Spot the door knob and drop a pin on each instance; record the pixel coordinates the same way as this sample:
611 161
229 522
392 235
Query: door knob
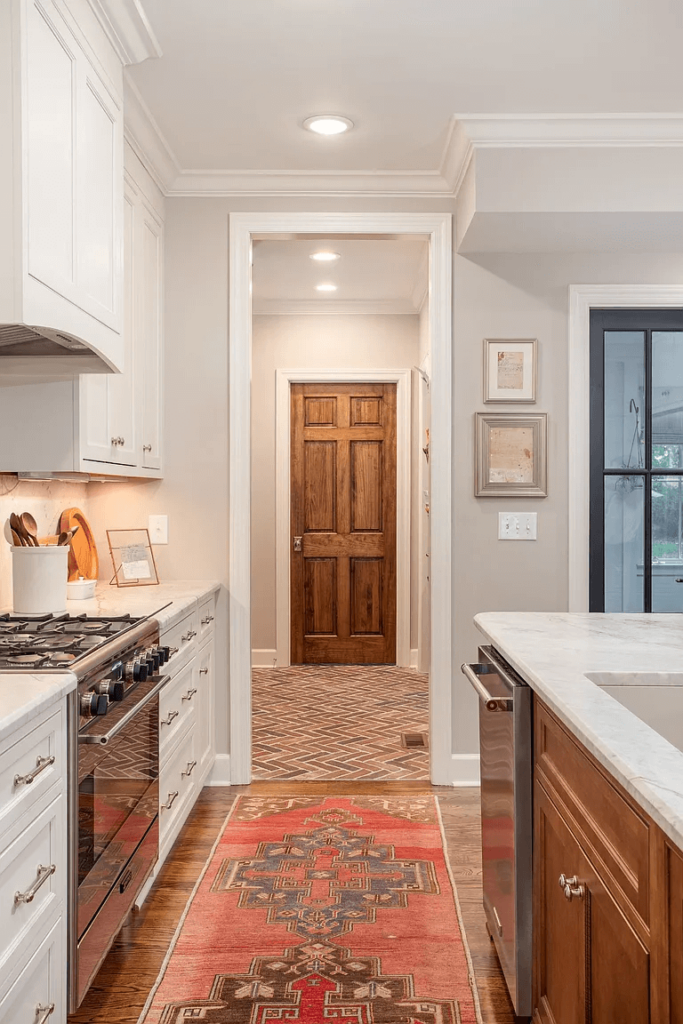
571 887
298 543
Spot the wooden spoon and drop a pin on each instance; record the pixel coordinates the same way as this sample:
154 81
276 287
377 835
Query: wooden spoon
31 527
7 530
17 525
64 538
16 539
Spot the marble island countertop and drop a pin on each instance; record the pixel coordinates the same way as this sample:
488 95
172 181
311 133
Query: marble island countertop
24 694
555 653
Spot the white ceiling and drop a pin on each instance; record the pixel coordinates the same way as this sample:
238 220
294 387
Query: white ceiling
237 77
373 276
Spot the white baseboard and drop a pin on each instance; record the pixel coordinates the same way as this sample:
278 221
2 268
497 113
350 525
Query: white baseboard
414 653
220 773
263 658
465 770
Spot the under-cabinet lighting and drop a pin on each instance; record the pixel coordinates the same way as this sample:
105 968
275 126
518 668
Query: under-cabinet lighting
325 256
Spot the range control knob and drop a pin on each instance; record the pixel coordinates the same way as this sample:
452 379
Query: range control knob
163 654
154 655
93 704
114 689
143 668
117 670
136 671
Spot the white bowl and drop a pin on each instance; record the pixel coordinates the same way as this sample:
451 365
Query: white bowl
80 589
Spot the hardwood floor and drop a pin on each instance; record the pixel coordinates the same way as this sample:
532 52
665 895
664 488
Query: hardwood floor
129 972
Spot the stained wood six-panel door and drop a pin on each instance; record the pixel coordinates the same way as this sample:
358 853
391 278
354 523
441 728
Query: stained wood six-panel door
343 518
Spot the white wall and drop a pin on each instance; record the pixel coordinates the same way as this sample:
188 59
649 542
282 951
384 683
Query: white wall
304 342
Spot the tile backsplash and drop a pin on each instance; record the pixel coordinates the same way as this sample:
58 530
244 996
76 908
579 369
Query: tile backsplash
45 500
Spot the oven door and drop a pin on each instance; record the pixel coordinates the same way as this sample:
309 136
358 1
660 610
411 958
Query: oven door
118 810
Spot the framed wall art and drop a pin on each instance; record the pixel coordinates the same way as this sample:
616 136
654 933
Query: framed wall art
511 455
510 369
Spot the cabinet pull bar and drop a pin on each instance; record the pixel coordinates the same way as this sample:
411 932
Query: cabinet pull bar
191 765
190 694
45 1012
492 703
41 764
171 716
203 671
43 875
169 803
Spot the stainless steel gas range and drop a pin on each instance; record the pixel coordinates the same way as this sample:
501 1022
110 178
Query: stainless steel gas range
113 764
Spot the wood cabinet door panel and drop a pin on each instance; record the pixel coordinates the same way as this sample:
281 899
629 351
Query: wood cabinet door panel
675 937
343 509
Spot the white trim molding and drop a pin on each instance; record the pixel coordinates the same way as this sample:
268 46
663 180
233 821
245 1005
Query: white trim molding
128 29
437 229
220 772
583 298
264 657
350 307
465 770
283 381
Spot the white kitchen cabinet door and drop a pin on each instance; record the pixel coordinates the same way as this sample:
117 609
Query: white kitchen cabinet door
205 683
149 352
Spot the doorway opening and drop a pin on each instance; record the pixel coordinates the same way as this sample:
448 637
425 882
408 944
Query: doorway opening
245 230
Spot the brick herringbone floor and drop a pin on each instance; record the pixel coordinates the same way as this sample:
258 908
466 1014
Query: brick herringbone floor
338 722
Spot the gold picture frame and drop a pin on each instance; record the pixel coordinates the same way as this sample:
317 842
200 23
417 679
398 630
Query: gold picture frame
132 558
511 455
510 369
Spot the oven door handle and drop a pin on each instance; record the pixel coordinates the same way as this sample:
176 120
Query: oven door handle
116 729
492 703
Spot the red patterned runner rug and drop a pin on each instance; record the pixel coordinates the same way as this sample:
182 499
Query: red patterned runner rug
317 909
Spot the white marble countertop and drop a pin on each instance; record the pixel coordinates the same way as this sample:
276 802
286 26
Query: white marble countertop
554 651
24 694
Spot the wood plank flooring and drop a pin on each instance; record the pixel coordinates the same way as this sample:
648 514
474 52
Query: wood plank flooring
129 972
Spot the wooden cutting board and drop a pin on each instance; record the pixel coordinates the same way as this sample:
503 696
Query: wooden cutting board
83 559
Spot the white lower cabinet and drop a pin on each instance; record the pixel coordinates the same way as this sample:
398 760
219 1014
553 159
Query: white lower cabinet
205 685
38 995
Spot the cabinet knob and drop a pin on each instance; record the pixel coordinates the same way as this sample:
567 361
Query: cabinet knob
45 1011
571 887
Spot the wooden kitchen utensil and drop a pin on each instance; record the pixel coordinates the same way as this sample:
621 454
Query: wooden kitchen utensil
16 539
18 527
31 527
83 559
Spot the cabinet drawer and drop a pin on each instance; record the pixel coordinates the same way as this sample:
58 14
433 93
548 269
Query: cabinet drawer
25 769
40 985
176 784
177 703
25 868
207 618
616 835
181 635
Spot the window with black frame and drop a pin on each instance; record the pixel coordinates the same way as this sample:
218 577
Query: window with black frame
636 514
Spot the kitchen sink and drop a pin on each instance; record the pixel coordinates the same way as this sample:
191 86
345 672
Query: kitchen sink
656 698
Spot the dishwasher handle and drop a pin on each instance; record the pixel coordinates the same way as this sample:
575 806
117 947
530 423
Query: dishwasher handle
492 703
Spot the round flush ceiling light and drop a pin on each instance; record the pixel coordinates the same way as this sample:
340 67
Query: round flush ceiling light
325 256
326 287
328 124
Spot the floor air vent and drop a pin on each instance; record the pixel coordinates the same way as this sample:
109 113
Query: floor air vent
415 740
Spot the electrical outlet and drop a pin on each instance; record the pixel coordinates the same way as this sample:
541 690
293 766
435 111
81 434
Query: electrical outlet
517 525
158 529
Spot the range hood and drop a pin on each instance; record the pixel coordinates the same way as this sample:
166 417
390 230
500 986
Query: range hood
35 353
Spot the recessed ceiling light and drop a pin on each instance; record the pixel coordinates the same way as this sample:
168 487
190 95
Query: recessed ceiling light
326 287
328 124
325 257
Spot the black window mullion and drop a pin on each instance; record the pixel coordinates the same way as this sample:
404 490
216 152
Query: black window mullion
596 577
647 417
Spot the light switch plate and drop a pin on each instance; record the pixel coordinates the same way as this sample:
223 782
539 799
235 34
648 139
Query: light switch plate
517 525
158 529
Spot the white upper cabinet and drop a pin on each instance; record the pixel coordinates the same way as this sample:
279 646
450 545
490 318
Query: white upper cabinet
61 176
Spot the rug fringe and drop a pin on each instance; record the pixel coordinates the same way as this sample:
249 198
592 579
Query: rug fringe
468 956
183 916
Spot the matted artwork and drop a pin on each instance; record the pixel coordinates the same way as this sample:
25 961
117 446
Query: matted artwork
511 455
510 369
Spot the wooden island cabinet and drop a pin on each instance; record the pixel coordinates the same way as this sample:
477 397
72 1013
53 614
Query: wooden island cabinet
608 894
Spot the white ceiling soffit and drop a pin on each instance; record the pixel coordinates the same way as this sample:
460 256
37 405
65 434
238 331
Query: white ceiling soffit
128 29
373 276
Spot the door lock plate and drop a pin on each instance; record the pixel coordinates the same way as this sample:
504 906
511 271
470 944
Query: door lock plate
298 543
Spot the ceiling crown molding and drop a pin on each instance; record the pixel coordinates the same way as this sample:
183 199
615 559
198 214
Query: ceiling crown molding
356 307
146 139
128 29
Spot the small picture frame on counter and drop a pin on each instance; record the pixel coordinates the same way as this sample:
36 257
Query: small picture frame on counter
511 455
510 369
132 558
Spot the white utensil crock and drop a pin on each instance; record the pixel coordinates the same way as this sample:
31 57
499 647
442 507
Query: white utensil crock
39 579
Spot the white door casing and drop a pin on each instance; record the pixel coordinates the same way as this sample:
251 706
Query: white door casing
583 298
284 378
437 228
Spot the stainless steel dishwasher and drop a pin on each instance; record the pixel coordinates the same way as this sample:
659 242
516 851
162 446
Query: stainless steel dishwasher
506 817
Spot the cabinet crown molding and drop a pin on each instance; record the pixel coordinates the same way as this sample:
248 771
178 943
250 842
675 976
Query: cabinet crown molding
127 28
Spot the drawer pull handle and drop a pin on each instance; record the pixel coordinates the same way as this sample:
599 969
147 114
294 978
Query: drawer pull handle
171 798
41 764
43 875
126 879
203 671
190 694
169 719
188 636
207 620
191 765
571 887
44 1012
